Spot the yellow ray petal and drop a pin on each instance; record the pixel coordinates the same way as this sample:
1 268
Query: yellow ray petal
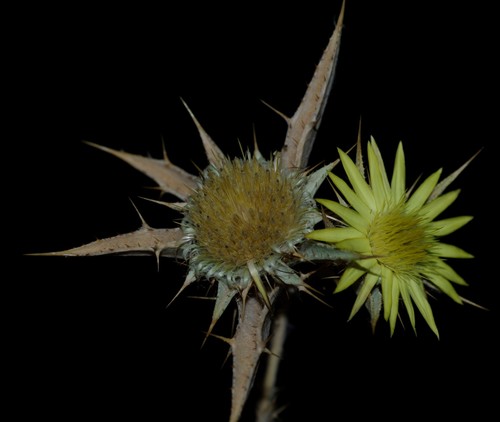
419 296
432 209
350 216
357 181
445 250
394 305
398 182
366 287
334 234
447 272
405 294
351 196
444 285
387 280
378 176
353 273
448 225
359 244
423 191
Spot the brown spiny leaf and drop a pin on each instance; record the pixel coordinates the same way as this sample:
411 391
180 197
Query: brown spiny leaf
304 124
214 154
144 241
169 177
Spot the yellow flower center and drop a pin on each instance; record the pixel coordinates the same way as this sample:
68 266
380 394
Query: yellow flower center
243 212
399 240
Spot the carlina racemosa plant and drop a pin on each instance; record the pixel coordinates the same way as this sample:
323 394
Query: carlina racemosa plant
247 223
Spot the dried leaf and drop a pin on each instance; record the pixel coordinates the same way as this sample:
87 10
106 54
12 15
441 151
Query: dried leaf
304 124
144 241
170 178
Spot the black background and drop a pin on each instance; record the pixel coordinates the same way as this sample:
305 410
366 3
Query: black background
93 337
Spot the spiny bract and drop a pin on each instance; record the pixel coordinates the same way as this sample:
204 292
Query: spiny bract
246 218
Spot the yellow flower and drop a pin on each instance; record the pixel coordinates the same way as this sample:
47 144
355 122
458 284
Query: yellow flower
396 232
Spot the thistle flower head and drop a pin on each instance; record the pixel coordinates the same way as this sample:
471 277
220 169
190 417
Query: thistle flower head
396 231
245 218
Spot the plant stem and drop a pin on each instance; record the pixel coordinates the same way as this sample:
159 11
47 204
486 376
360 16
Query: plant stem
266 411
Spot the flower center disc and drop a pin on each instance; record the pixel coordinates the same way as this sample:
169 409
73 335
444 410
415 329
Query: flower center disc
244 211
399 240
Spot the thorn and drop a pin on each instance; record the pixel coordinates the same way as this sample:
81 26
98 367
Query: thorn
227 340
143 221
157 253
279 113
93 144
214 154
271 353
469 302
200 297
258 282
441 186
208 333
244 295
226 358
190 278
224 339
164 150
254 132
309 290
177 206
